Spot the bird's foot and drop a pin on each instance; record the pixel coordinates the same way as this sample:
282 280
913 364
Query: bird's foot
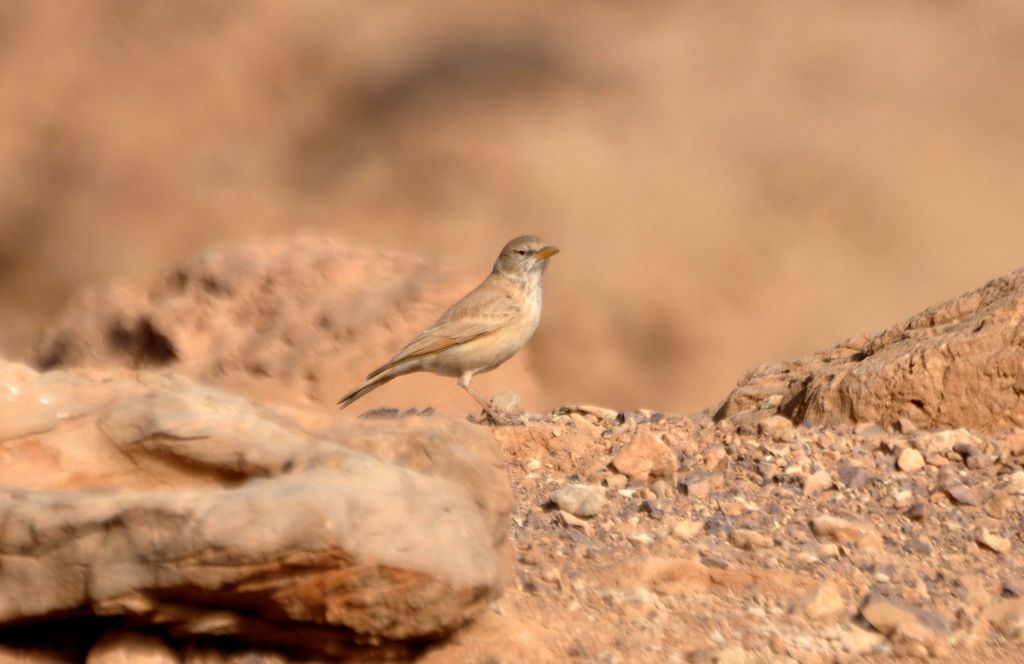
498 418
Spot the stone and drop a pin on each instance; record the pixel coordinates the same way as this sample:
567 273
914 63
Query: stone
1016 483
118 647
957 364
993 542
943 442
817 482
859 641
646 456
700 484
732 655
918 546
917 511
828 550
1013 587
750 539
971 591
963 494
507 403
1007 617
854 477
911 631
910 460
823 602
687 529
777 428
999 505
972 456
840 531
390 530
654 508
579 499
616 481
905 426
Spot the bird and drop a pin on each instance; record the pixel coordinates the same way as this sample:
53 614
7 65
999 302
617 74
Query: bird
479 332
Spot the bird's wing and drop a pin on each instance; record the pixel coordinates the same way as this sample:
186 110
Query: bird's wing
484 310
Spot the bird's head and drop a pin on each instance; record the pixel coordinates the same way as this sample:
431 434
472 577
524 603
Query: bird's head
523 256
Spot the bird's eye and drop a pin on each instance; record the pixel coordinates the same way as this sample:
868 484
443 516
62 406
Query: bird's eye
521 252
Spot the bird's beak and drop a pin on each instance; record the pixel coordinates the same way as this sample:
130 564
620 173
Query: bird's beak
546 253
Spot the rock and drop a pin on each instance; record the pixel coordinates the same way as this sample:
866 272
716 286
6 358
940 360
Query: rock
854 477
700 484
972 456
700 656
687 529
917 511
732 655
817 482
905 426
508 403
999 505
579 499
600 412
828 550
858 641
317 541
616 481
1007 617
911 631
655 508
963 494
300 319
576 522
942 442
910 460
130 648
840 531
919 546
971 591
956 364
750 539
823 602
1016 483
993 542
777 428
1013 587
646 456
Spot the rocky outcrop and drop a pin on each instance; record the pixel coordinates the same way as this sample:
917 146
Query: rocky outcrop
301 320
170 503
959 364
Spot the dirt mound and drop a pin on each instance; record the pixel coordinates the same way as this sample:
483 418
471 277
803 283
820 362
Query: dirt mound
300 320
960 363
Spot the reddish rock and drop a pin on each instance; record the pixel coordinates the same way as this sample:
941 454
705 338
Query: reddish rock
958 364
150 496
646 456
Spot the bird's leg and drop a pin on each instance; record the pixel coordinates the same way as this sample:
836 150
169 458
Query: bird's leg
496 417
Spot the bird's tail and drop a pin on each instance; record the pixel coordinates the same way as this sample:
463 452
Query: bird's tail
369 386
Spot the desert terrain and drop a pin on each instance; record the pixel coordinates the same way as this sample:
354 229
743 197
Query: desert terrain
774 411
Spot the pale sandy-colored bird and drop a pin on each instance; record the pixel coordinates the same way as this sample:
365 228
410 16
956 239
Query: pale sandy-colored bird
480 331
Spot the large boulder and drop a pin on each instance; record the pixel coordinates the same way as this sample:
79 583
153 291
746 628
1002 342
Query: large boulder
301 320
149 496
958 364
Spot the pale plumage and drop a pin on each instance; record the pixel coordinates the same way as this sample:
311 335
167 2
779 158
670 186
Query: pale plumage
482 330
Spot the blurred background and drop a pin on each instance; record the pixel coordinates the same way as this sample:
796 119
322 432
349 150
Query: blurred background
731 183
